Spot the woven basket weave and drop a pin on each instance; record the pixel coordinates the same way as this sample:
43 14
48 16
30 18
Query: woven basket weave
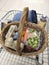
24 23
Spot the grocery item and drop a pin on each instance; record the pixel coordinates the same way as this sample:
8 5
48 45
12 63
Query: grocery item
27 48
41 24
32 39
24 35
10 43
33 42
10 31
15 36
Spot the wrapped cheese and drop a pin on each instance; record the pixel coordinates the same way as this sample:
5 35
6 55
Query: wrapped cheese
10 43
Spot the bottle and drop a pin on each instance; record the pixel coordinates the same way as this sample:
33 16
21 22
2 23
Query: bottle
24 35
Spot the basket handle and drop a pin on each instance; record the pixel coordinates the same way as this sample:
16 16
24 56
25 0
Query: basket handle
21 26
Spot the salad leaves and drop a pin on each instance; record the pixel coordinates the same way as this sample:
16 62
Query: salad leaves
33 41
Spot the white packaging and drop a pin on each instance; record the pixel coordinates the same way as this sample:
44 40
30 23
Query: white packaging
10 43
10 31
22 46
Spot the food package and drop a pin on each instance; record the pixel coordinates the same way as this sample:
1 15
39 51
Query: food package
41 24
10 31
22 46
15 36
33 42
33 38
10 43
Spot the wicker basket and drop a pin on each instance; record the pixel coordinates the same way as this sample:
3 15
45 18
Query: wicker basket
23 23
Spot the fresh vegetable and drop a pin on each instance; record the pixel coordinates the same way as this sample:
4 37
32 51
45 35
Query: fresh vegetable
33 41
31 30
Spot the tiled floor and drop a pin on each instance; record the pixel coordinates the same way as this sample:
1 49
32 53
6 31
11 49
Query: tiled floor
9 59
